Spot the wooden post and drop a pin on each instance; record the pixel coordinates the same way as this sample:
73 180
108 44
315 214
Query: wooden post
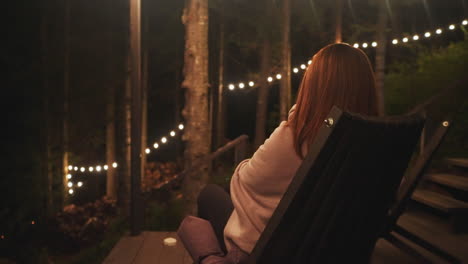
285 84
240 152
136 214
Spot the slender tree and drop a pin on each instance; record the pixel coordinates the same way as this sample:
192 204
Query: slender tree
197 133
382 22
66 91
285 84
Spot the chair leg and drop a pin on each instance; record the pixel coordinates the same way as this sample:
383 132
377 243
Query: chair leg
425 244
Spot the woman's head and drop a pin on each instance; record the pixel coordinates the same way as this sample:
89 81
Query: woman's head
339 75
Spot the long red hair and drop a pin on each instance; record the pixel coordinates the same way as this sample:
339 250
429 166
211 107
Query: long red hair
339 75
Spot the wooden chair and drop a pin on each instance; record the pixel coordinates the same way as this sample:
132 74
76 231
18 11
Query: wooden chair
413 177
337 204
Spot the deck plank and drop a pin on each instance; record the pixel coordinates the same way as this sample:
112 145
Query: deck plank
174 254
126 250
152 248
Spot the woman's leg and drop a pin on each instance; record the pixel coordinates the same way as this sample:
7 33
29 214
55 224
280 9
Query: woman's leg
215 205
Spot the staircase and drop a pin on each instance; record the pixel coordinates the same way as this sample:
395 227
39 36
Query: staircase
447 193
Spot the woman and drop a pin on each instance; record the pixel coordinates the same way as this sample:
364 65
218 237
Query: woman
339 75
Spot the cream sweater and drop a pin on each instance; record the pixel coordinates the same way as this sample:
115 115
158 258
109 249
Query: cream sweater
257 186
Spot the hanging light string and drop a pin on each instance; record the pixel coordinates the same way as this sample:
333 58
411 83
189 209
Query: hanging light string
99 168
363 45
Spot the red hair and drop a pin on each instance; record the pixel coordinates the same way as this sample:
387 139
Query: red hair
339 75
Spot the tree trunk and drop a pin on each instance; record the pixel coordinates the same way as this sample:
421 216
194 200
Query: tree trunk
380 56
197 133
144 95
45 129
66 91
338 21
111 183
220 115
285 84
262 95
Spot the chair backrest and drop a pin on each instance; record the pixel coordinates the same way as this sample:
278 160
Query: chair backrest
337 203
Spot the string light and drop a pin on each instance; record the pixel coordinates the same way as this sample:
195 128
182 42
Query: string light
251 83
278 76
415 37
231 86
75 168
295 70
356 45
427 34
374 44
82 169
452 27
33 222
147 151
156 145
79 184
309 62
465 22
395 41
241 85
70 191
439 31
2 237
405 40
98 168
70 167
69 176
70 184
114 165
270 79
106 167
163 140
364 45
91 169
303 66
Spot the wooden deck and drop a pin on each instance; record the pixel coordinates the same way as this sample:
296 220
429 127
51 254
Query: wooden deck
149 246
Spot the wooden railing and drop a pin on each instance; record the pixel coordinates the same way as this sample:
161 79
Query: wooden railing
240 151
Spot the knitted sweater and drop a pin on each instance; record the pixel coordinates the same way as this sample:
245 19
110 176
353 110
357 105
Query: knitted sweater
257 186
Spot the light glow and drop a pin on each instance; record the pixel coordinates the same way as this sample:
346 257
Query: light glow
231 86
156 145
70 184
82 169
309 62
147 151
241 85
427 34
295 70
69 176
395 41
405 40
106 167
98 168
164 140
374 44
91 169
114 165
75 168
79 184
70 167
356 45
172 133
251 84
452 27
303 66
278 76
439 31
364 45
415 37
181 126
465 22
270 79
70 191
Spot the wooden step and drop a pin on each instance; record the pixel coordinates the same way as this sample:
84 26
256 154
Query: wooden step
450 180
439 201
459 162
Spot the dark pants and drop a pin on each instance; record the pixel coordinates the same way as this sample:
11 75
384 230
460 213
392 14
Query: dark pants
215 205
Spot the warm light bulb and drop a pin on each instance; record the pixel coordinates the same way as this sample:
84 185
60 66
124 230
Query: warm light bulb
364 45
303 66
439 31
270 79
70 184
79 184
75 168
98 168
172 133
251 84
156 145
147 151
356 45
427 34
69 176
163 139
181 126
82 169
295 70
241 85
374 44
90 169
231 87
278 76
70 167
33 222
405 40
452 27
415 37
465 22
114 165
309 62
70 191
106 167
395 41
